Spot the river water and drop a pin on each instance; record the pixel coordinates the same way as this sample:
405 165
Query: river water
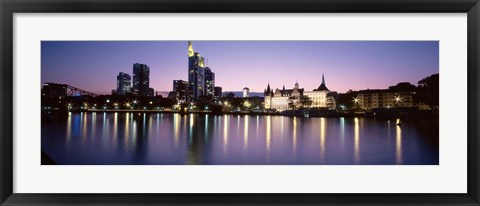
100 138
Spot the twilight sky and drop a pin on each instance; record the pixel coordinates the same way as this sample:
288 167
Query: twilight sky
356 65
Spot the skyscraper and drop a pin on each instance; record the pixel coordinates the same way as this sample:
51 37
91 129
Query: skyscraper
201 79
180 88
209 82
124 83
218 92
141 80
195 73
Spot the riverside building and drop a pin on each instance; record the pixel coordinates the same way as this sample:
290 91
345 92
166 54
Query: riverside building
285 99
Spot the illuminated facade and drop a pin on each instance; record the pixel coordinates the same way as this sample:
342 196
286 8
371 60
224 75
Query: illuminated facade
400 95
180 89
285 99
280 99
319 96
246 92
209 82
124 83
201 80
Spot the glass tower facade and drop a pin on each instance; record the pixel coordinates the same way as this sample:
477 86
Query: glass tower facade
124 83
201 80
141 80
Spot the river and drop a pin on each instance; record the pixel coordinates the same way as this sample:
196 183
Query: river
98 138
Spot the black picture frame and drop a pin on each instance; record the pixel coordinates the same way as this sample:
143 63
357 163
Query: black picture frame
10 7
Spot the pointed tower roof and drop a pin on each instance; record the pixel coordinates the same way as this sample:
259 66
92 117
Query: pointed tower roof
191 52
268 87
322 86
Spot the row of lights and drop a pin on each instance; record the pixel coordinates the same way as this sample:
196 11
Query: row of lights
127 104
397 99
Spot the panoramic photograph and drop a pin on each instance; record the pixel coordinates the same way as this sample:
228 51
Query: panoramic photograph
239 102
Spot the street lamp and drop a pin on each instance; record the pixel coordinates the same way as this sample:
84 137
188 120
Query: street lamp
247 104
355 99
397 99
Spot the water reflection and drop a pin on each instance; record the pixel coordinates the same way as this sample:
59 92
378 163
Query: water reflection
115 130
322 140
398 143
245 134
294 153
142 138
225 135
356 150
176 129
268 136
68 134
342 133
84 122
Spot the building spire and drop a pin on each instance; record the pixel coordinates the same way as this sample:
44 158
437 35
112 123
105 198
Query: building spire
323 79
190 49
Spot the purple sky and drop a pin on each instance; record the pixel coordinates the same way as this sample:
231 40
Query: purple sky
94 65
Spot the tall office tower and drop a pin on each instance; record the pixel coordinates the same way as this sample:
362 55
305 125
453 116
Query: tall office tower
141 80
124 83
180 89
209 82
196 74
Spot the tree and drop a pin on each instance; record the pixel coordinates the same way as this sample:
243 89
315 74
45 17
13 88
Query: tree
346 100
305 102
428 91
292 102
230 95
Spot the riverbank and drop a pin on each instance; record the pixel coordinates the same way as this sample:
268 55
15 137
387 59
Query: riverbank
294 113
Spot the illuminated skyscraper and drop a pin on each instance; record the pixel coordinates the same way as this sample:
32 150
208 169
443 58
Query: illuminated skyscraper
201 79
124 83
209 82
180 90
141 80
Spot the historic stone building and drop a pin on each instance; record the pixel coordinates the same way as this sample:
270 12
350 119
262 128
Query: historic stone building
319 95
285 99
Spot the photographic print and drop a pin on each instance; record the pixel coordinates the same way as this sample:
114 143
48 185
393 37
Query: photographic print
240 102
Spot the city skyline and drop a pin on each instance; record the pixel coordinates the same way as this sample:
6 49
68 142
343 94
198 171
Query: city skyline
356 65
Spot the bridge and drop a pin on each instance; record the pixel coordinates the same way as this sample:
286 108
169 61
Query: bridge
61 90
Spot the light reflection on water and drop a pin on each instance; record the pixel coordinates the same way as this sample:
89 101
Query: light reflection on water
172 139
